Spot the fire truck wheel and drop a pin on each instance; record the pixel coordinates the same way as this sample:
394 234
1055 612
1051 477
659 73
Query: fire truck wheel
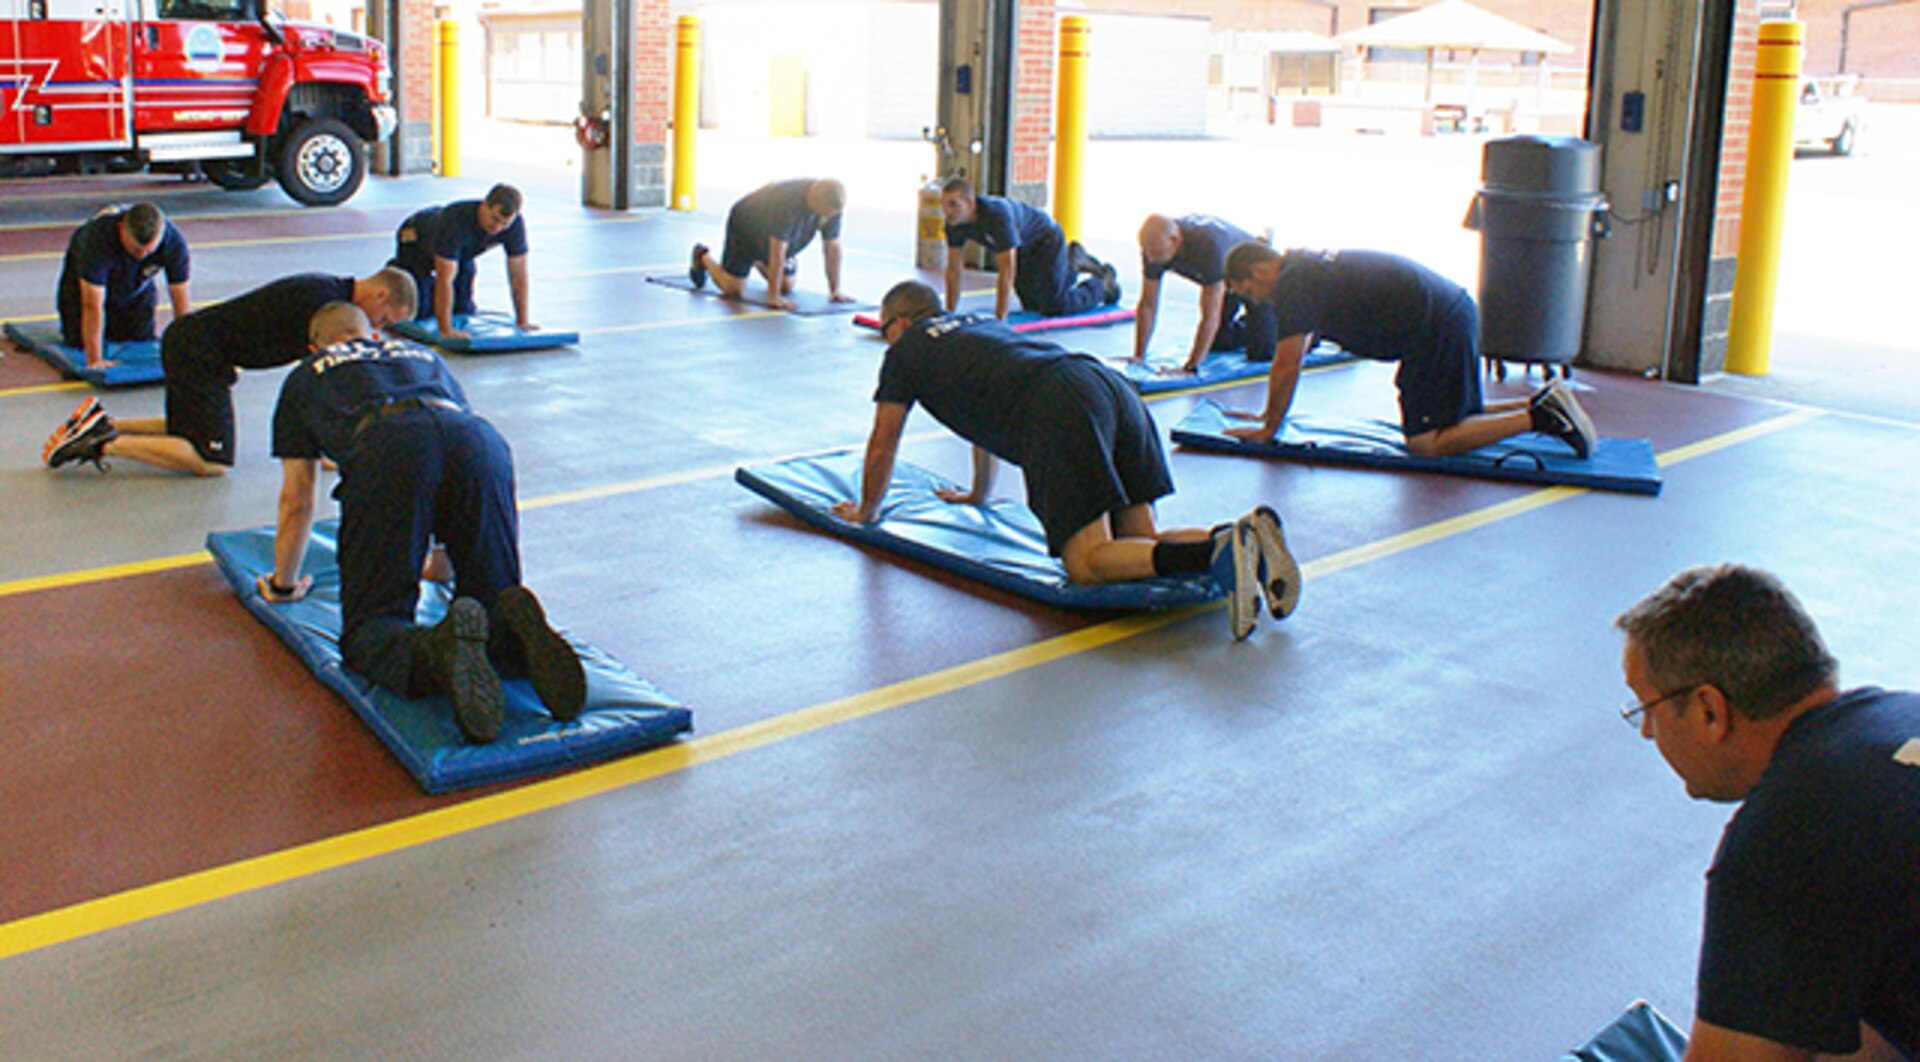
322 162
234 176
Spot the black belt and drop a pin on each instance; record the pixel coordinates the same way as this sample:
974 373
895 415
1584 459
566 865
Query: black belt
402 405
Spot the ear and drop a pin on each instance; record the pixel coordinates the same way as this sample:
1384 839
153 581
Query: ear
1716 712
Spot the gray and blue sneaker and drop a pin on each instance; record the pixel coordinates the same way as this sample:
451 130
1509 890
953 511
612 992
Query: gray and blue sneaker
1279 572
1557 413
1236 568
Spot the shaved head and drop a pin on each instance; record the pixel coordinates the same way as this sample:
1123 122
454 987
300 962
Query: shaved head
1159 238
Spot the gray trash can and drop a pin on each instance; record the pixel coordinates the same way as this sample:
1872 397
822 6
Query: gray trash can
1538 208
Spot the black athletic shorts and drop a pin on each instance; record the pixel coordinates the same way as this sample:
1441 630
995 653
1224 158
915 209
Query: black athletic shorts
1095 451
199 391
1440 385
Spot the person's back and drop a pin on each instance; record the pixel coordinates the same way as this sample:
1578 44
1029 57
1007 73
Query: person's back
976 375
325 401
1000 223
780 211
263 328
1813 916
1373 304
1202 256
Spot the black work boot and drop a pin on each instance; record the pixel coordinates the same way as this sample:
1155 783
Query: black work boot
525 644
452 660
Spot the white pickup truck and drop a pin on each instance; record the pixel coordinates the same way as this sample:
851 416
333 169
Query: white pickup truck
1830 114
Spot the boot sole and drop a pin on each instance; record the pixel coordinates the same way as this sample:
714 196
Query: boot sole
479 706
553 667
1282 584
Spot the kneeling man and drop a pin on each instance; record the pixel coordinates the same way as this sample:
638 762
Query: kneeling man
1087 445
416 465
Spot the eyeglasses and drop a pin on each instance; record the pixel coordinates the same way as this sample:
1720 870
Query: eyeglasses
1634 710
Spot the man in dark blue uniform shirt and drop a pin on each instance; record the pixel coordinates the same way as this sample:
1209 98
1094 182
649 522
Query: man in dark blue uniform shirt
1388 308
1812 935
1195 247
106 279
1083 439
201 353
1031 256
767 230
416 465
438 245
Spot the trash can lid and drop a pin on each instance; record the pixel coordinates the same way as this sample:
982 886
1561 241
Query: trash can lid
1532 164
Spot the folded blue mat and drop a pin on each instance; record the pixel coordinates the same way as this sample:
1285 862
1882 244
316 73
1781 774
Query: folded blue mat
488 333
1625 465
1153 377
1641 1034
806 303
1001 545
137 363
624 712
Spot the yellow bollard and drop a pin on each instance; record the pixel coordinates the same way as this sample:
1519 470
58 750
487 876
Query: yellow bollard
448 105
686 108
1070 123
1763 201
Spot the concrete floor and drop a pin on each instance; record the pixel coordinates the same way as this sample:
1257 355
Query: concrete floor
919 819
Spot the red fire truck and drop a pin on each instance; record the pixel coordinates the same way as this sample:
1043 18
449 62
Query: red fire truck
223 85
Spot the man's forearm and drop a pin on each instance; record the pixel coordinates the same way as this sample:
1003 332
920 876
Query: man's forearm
831 252
517 284
93 329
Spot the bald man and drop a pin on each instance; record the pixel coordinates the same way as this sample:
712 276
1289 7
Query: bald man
767 230
1195 247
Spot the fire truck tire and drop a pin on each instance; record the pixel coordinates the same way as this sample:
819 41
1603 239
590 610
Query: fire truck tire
322 162
234 176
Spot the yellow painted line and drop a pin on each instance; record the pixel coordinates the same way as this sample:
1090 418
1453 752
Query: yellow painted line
1737 436
42 389
103 574
167 897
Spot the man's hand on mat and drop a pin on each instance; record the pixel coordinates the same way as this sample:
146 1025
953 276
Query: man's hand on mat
526 326
298 590
95 364
957 496
1180 370
781 302
841 296
456 333
1252 433
850 512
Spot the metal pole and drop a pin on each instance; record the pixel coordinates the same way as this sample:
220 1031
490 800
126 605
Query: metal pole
686 108
1763 202
447 146
1070 124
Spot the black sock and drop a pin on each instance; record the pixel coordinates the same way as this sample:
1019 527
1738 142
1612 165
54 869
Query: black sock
1182 558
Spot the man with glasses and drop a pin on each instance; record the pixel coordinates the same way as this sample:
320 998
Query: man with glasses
1087 445
1812 936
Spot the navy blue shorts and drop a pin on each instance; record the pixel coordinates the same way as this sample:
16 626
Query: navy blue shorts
199 390
744 251
1440 383
1096 452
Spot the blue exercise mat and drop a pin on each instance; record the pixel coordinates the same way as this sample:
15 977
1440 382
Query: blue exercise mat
137 363
806 303
1028 321
1001 545
488 333
1641 1034
1625 465
624 712
1223 366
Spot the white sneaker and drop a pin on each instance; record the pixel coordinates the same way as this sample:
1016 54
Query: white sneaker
1279 572
1236 568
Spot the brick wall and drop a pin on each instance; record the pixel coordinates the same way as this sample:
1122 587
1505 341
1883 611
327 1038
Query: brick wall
652 101
1033 102
1738 118
413 56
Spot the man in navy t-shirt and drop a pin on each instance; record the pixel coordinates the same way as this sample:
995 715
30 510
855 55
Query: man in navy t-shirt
416 465
1031 256
201 354
438 245
1195 247
1388 308
1812 935
1085 442
767 230
106 279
